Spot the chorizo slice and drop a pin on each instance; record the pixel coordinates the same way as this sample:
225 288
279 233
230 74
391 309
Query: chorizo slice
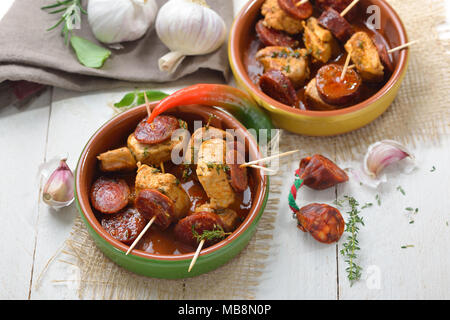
124 226
300 12
339 6
238 175
319 172
339 27
279 87
323 222
198 222
272 37
313 100
151 203
381 45
334 90
158 131
109 195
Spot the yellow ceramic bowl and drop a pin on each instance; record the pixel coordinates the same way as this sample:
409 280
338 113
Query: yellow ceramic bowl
320 123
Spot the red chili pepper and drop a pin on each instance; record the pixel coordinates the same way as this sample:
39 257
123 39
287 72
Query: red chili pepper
233 100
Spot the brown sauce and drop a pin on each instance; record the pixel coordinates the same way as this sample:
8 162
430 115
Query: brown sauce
255 68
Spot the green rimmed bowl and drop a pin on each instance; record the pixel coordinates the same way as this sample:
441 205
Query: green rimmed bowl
112 135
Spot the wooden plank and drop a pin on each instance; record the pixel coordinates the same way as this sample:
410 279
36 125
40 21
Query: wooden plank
419 272
299 267
23 133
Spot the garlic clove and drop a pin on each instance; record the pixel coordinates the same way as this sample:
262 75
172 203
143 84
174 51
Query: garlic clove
382 154
58 191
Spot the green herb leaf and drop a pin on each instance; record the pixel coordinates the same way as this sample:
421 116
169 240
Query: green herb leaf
134 99
88 53
399 188
216 234
377 197
126 101
151 96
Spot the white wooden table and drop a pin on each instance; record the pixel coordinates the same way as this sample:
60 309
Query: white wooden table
61 122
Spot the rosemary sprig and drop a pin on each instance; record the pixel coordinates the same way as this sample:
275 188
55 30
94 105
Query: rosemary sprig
210 235
351 247
71 16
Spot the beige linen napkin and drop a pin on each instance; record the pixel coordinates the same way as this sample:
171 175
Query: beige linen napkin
29 52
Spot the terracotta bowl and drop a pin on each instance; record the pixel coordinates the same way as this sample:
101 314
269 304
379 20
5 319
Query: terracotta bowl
320 123
112 135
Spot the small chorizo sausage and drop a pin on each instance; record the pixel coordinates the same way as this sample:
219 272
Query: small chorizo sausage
109 195
151 203
339 27
124 226
279 87
334 90
238 175
319 172
161 129
199 222
323 222
300 12
272 37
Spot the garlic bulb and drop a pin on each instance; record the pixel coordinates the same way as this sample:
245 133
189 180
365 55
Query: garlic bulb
188 27
120 20
58 190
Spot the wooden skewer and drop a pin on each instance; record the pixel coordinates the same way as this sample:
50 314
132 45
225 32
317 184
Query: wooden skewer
298 4
350 6
147 104
149 224
194 259
344 71
402 46
262 168
268 158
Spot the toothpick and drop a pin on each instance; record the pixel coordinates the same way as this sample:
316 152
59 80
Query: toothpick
351 67
298 4
350 6
403 46
262 168
162 167
199 248
269 158
344 71
147 104
141 234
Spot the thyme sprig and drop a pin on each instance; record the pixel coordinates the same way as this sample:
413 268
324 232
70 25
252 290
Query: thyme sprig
210 235
71 16
351 246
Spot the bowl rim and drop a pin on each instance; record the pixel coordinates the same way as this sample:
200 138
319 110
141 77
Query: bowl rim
278 107
84 206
